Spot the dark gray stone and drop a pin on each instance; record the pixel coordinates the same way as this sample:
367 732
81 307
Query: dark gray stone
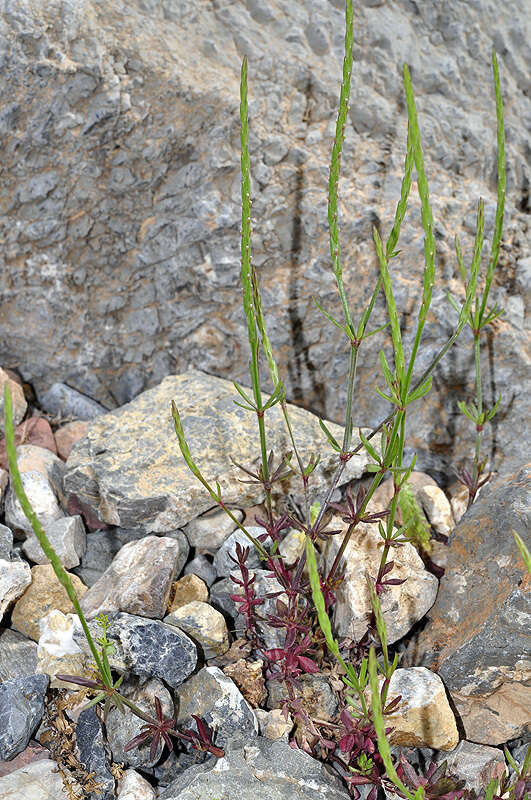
89 740
213 696
6 542
21 710
64 401
18 655
147 647
203 568
258 770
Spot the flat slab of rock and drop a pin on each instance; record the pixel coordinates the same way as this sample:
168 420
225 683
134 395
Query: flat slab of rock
151 487
479 636
39 780
137 582
21 710
258 770
402 605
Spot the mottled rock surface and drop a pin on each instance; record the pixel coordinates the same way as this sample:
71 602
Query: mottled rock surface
258 770
35 431
39 780
147 647
223 560
137 582
42 473
474 763
18 655
62 401
91 749
151 487
132 786
186 589
18 401
44 594
479 634
204 624
210 530
67 537
67 435
21 710
15 576
57 650
402 605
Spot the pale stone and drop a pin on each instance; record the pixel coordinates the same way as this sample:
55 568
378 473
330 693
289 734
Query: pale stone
292 546
209 531
402 605
138 580
44 594
18 401
67 435
459 502
423 717
204 624
438 509
39 780
273 725
67 537
41 474
15 576
186 589
477 764
57 650
132 786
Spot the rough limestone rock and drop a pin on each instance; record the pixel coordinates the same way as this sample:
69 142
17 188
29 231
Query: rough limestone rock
18 655
474 763
204 624
147 647
21 710
132 786
42 473
67 537
402 605
120 215
58 652
137 582
210 530
39 780
186 589
479 634
67 435
91 749
258 770
63 401
15 576
423 717
151 487
44 594
34 430
18 401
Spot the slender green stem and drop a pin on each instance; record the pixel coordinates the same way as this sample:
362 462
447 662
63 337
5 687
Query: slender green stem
479 401
347 435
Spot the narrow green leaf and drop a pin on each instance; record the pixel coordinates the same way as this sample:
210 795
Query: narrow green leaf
524 552
391 308
369 447
416 394
334 321
331 439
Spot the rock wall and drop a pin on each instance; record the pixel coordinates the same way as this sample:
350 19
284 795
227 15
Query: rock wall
119 208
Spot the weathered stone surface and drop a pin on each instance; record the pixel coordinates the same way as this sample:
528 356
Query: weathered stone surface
57 650
102 547
91 750
137 582
475 764
151 487
186 589
63 401
44 594
67 435
423 717
478 638
41 472
258 770
222 560
132 786
67 537
4 481
39 780
437 509
6 542
220 597
147 647
210 530
213 696
203 624
203 568
35 431
273 724
318 699
402 605
18 655
18 401
126 194
263 584
21 710
15 576
121 728
248 677
33 752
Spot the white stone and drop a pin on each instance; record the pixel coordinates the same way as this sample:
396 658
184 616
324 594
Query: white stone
39 780
15 577
67 537
402 605
134 787
209 531
57 650
292 546
437 508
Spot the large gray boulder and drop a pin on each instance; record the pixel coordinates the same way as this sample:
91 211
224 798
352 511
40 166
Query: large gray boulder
120 216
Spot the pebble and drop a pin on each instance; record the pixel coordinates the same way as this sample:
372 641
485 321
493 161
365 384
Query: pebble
437 508
58 652
39 780
63 401
186 589
205 625
132 786
476 764
68 435
18 655
35 431
91 750
202 567
6 541
67 537
15 577
222 560
18 401
41 473
210 530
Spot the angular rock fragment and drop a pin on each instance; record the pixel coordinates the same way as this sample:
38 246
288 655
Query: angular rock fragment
137 582
67 537
67 435
41 472
474 763
222 560
58 652
18 655
186 589
6 542
35 431
39 780
203 624
63 401
18 401
132 786
202 567
21 710
15 577
91 750
210 530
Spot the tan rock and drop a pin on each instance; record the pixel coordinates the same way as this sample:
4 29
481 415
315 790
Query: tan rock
18 401
273 724
423 717
437 507
44 594
204 624
137 582
132 786
186 589
4 480
402 605
248 677
67 435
